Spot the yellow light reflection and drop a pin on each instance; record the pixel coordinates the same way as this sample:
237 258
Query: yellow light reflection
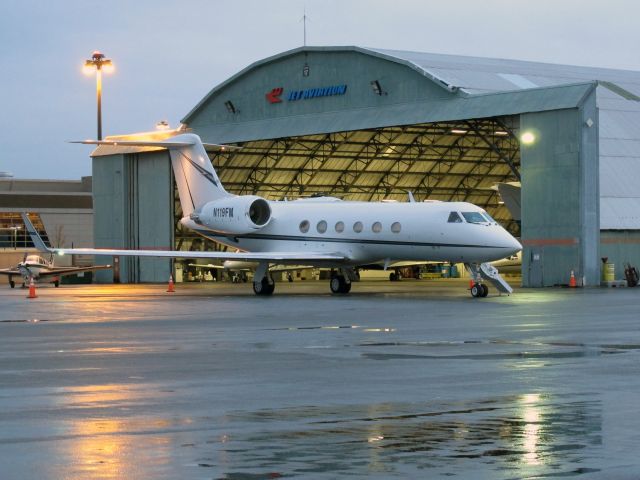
105 445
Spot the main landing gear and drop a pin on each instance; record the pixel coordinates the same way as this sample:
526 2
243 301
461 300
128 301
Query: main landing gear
263 283
264 287
340 281
339 284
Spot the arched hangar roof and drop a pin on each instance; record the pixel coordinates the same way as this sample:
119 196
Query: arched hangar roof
426 88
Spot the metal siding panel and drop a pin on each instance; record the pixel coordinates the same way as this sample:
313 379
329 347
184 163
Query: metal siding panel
551 195
154 214
109 202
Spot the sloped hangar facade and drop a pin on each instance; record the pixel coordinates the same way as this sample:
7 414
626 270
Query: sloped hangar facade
371 125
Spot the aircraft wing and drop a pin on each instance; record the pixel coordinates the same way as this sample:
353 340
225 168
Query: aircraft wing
206 265
288 268
9 271
279 257
58 271
286 257
274 268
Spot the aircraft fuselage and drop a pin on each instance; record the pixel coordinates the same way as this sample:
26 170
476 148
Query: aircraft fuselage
371 232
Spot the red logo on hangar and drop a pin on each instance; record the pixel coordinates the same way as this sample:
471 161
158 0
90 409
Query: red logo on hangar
274 95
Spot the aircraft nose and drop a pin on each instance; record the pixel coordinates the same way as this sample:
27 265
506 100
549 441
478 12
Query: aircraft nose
514 244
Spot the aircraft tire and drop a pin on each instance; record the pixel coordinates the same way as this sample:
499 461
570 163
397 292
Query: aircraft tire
263 287
393 277
476 290
485 290
339 285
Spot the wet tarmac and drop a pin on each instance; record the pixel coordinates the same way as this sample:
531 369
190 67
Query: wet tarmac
407 380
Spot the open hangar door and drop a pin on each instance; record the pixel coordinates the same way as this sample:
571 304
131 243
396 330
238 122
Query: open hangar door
447 161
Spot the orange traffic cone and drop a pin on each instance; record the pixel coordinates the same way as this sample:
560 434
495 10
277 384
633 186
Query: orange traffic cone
32 289
471 283
171 288
572 280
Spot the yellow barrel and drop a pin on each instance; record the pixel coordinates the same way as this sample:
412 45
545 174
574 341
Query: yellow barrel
609 272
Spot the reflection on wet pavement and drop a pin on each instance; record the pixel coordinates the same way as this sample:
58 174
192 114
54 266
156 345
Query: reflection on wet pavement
538 385
515 437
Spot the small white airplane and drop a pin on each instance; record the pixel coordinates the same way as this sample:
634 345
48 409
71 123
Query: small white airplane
322 232
36 267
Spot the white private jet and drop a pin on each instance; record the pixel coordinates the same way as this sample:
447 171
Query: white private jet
36 267
323 232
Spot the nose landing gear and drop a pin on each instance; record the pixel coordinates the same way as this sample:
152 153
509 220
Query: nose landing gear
479 290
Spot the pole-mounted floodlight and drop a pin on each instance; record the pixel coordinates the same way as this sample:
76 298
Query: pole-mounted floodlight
98 62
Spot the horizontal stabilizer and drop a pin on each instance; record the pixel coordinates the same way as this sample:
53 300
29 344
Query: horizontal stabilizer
212 147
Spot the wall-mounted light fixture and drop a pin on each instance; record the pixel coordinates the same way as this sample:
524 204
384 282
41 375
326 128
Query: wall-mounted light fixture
305 70
231 108
377 88
528 138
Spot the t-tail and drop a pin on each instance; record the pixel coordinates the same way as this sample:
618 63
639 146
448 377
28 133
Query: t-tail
196 178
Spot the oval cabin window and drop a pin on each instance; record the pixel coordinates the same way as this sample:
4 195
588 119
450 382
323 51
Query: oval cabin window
304 226
396 227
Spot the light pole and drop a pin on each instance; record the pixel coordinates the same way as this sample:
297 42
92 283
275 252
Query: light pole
98 62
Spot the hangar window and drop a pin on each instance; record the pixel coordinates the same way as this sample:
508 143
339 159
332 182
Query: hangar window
474 217
454 217
321 226
376 227
357 227
304 226
396 227
340 227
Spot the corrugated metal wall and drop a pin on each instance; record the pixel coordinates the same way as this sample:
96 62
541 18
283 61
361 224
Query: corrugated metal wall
560 198
133 202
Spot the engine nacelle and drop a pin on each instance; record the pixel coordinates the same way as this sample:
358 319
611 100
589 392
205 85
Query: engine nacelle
234 215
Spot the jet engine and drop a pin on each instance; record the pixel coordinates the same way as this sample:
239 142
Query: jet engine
234 215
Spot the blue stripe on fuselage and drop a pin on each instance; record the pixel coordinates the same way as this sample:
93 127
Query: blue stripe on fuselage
296 238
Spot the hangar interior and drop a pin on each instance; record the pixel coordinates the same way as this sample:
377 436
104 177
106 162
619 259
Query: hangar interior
370 125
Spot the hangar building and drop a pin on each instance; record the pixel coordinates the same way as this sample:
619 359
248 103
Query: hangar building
60 209
367 124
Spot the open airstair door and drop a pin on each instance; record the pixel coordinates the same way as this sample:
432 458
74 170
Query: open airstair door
491 274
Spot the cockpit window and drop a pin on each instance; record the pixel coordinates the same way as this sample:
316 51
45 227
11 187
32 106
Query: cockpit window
488 217
454 217
474 217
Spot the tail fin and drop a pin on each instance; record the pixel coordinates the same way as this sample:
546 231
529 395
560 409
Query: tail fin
35 236
195 177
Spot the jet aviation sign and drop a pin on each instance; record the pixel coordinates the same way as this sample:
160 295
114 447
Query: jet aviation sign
275 95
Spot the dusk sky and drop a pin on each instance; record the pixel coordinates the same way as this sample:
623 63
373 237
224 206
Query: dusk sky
168 55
